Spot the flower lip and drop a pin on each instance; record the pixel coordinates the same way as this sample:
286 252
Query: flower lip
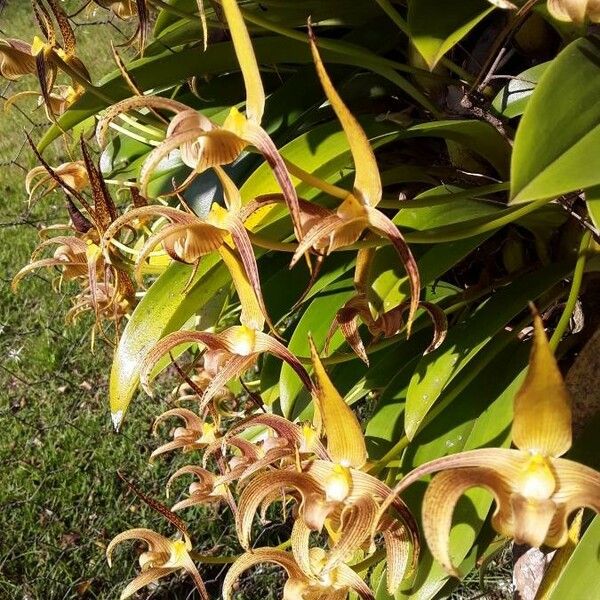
537 480
338 484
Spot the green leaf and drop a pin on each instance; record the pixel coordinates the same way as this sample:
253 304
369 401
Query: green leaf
466 339
166 306
173 67
512 99
556 146
436 27
580 579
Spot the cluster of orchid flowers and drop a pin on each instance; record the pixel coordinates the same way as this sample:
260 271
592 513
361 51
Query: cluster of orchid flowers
259 458
322 468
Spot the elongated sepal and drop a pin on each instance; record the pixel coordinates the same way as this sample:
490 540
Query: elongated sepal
255 94
367 182
542 408
345 439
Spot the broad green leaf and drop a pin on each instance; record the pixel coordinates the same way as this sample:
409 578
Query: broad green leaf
173 67
437 27
580 579
555 148
166 306
456 209
469 337
512 99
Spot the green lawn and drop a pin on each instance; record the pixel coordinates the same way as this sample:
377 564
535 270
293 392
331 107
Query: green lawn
60 497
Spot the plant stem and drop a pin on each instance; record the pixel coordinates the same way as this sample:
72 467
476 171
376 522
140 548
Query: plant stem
573 292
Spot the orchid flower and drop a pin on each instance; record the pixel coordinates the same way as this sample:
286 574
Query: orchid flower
55 102
209 489
385 325
357 212
237 348
334 493
108 290
121 8
576 11
194 435
16 59
163 557
187 238
39 183
50 54
283 441
534 489
335 584
204 144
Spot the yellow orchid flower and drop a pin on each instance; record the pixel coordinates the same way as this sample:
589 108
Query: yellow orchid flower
238 348
122 8
107 290
49 54
186 238
163 557
385 325
334 584
357 212
534 489
283 441
576 11
209 489
334 493
39 183
16 59
204 144
196 434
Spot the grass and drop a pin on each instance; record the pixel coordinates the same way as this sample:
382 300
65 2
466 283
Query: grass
60 496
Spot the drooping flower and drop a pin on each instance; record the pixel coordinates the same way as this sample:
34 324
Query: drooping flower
535 490
39 183
334 493
163 557
194 435
334 584
50 54
187 238
237 347
577 11
385 325
16 59
357 212
107 290
122 8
